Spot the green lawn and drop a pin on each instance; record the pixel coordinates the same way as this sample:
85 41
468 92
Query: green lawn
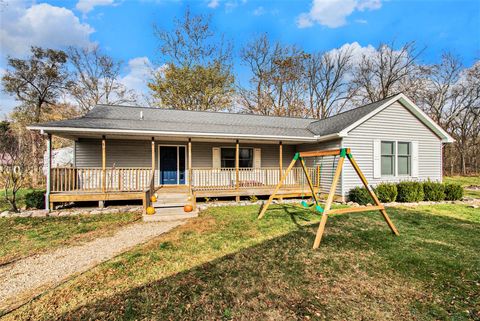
20 237
465 181
4 205
227 265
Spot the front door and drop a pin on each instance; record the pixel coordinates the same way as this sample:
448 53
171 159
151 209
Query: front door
172 165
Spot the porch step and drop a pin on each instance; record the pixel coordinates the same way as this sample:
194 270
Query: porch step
171 202
168 204
169 214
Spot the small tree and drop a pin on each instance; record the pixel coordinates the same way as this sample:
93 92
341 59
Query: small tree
38 81
196 71
16 163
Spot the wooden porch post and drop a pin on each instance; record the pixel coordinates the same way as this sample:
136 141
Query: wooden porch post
237 166
104 165
49 170
190 178
153 154
280 163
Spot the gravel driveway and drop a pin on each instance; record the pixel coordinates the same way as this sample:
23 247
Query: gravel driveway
26 278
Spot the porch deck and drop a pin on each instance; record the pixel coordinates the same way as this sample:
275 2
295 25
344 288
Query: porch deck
70 184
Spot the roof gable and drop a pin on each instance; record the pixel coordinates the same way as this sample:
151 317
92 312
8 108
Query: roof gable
335 124
408 104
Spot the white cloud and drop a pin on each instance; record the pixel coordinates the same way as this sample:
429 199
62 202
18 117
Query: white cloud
40 25
334 13
86 6
361 21
213 4
139 72
356 50
260 11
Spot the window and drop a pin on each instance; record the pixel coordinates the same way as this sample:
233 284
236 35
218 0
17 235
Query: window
388 158
404 158
228 157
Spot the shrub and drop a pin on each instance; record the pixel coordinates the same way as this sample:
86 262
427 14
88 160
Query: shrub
386 192
359 195
410 192
433 191
453 192
35 199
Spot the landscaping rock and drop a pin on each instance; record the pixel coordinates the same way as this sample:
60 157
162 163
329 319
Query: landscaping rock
474 206
54 213
96 212
39 213
24 214
5 214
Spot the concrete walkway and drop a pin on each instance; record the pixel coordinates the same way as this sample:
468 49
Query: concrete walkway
29 277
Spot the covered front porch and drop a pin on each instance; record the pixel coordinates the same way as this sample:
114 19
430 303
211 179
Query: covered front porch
234 172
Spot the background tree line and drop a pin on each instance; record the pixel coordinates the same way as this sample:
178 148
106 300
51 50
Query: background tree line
195 71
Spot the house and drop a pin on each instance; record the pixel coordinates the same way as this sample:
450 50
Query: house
123 152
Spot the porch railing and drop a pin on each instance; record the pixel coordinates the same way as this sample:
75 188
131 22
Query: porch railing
123 179
225 178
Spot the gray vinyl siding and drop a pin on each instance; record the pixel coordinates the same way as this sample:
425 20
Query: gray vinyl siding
137 153
393 123
328 164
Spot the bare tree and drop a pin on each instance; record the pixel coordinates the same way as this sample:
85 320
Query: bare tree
16 164
438 93
277 81
95 79
386 72
328 82
258 56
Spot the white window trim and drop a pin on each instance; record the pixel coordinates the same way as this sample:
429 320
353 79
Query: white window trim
395 169
233 147
187 179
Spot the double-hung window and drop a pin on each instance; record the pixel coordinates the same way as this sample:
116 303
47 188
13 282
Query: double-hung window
396 158
228 157
404 158
388 158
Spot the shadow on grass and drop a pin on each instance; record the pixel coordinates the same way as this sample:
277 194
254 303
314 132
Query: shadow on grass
360 271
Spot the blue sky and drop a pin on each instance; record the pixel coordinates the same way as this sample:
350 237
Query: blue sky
124 28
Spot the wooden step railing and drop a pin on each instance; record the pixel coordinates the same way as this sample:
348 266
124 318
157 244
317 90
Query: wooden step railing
123 179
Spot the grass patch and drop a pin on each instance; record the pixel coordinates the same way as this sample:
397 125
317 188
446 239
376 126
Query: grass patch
226 264
5 206
20 237
465 181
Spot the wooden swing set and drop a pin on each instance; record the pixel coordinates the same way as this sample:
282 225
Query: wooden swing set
343 152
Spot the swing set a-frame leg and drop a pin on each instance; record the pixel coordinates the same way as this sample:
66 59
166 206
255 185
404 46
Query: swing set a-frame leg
372 194
279 185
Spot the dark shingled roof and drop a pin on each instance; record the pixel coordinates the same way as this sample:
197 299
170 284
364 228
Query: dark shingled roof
169 120
156 119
